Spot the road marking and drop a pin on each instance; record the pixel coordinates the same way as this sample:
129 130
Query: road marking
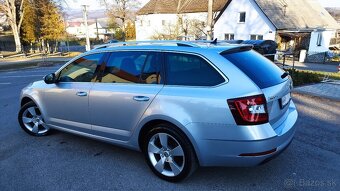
33 71
21 76
5 83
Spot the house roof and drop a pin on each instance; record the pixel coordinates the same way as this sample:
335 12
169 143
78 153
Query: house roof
297 14
73 24
185 6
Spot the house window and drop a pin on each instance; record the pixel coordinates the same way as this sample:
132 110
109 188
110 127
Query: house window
149 23
319 40
141 22
163 22
228 36
242 17
256 37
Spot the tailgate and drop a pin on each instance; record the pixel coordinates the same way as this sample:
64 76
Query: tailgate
278 98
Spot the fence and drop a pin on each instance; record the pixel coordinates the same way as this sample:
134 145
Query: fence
7 46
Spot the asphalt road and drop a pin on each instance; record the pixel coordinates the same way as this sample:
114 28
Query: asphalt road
63 161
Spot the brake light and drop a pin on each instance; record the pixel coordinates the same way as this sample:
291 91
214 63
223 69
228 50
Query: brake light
249 110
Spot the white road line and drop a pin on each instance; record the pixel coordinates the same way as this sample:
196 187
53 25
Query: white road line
5 83
21 76
33 71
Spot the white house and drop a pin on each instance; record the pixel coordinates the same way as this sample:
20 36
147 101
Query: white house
161 16
303 24
96 27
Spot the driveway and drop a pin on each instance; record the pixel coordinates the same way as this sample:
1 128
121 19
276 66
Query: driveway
63 161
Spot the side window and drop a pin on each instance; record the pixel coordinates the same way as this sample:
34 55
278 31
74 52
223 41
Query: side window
133 67
81 70
190 70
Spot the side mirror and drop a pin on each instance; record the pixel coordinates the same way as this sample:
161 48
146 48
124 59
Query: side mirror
50 78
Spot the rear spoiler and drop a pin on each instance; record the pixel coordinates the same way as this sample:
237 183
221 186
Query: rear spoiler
237 49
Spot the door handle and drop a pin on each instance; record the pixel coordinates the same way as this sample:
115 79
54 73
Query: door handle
141 98
81 94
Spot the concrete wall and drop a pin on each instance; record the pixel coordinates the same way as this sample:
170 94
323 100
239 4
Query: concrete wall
256 22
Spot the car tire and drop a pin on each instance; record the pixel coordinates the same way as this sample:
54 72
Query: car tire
169 153
31 120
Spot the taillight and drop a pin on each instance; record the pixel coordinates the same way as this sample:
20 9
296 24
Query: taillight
249 110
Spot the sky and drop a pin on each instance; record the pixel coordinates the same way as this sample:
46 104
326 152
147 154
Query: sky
95 4
330 3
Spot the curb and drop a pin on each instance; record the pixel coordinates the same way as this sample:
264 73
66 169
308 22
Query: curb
26 65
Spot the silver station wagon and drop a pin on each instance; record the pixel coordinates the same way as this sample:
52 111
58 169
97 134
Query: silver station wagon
183 104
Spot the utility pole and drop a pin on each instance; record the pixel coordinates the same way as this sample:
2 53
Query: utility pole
210 20
97 29
86 28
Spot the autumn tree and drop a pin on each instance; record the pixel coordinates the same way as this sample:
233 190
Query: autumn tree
52 23
30 24
130 31
14 10
43 22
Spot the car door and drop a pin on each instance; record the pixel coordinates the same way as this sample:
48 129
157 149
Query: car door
67 100
127 86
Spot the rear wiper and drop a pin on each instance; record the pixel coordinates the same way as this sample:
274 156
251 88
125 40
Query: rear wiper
284 75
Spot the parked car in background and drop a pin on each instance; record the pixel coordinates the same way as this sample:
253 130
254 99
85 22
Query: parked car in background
113 41
183 104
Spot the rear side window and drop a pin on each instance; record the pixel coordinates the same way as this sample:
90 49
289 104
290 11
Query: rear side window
133 67
258 68
190 70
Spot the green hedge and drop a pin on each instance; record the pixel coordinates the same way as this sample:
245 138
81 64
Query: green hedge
302 77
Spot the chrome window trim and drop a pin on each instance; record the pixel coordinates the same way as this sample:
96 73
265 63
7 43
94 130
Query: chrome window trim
226 80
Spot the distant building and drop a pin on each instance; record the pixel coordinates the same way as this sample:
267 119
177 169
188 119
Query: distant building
297 24
161 16
97 28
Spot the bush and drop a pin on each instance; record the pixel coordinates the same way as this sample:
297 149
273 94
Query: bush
304 77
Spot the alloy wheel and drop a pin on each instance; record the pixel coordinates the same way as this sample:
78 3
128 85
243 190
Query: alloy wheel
166 154
33 121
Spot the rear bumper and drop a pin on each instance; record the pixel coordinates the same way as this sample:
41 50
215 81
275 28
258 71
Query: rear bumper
243 146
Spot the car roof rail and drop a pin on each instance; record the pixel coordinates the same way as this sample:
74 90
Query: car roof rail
151 42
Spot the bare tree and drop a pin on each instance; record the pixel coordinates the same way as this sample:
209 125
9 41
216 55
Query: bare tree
168 32
196 27
15 13
122 10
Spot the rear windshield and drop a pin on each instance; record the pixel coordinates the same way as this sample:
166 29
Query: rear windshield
258 68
